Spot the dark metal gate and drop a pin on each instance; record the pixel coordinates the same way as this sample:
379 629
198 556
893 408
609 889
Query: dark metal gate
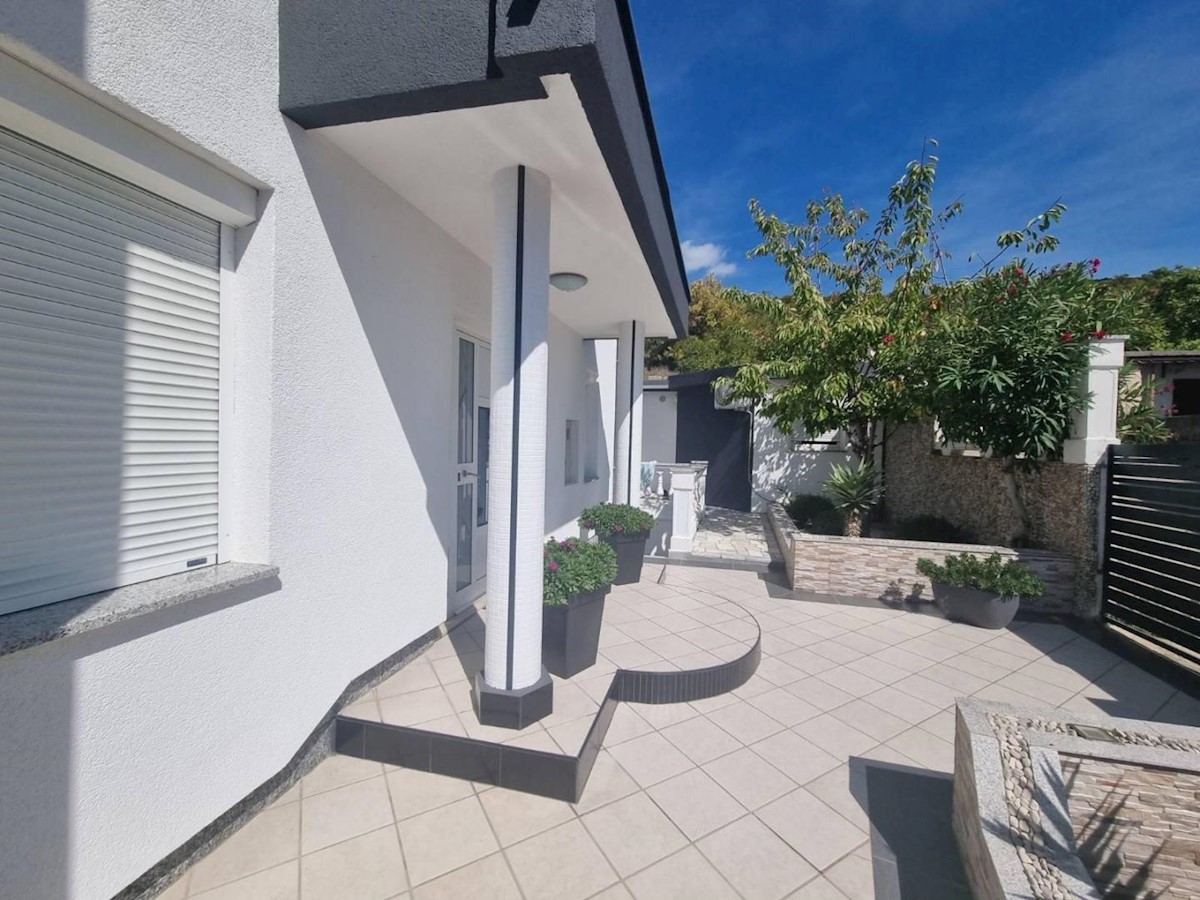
1152 547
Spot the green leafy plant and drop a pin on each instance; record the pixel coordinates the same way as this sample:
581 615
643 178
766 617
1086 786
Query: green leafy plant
574 567
607 519
993 574
931 528
854 490
1011 351
1138 422
814 514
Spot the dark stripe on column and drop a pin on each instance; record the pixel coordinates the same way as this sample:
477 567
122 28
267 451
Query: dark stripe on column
516 430
629 440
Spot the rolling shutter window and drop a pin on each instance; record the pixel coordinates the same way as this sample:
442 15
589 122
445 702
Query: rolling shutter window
108 381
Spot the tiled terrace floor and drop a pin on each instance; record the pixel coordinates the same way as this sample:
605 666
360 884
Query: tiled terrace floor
735 536
756 794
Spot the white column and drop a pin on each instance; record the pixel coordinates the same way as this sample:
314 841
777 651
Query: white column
1095 427
683 510
627 449
516 495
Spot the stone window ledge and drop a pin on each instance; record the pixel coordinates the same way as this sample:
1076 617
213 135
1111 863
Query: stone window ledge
42 624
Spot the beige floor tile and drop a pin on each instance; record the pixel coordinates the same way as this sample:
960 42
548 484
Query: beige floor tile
485 879
696 803
279 883
630 656
784 707
812 828
778 672
854 876
685 876
905 706
749 778
415 707
925 749
700 740
870 719
633 833
367 709
570 735
821 694
516 816
626 725
368 867
744 722
336 772
1030 684
334 816
836 652
177 890
650 759
272 837
805 659
835 736
418 675
937 695
942 725
795 757
755 861
413 792
842 788
441 840
820 888
664 715
608 782
561 864
291 795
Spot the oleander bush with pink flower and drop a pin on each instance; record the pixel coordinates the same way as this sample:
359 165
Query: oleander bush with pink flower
573 567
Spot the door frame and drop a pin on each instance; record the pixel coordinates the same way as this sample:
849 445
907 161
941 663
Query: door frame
459 599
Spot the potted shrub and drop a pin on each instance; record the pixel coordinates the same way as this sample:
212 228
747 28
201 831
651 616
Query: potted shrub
576 577
624 528
854 490
983 592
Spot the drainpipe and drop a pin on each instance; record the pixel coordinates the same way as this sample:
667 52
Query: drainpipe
514 689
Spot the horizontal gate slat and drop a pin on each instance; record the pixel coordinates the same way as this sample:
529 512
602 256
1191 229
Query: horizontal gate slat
1161 612
1182 520
1187 576
1122 529
1156 630
1122 572
1159 496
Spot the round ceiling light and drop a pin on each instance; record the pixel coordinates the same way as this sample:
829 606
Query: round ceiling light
568 281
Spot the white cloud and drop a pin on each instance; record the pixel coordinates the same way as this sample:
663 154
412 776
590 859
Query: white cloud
707 258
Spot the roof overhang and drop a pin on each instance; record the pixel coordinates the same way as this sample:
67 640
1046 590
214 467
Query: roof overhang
435 96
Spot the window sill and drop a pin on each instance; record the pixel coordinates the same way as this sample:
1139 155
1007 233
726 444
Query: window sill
42 624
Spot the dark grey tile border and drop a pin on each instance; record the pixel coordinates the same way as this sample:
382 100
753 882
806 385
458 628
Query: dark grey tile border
29 627
321 743
717 562
559 776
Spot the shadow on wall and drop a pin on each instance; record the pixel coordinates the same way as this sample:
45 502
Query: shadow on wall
782 467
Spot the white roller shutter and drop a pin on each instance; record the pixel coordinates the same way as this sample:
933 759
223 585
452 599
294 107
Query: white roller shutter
108 381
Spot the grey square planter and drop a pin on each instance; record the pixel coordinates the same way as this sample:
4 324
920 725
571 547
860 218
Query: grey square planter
571 633
630 548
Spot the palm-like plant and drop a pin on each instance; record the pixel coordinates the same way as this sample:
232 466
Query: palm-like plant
854 490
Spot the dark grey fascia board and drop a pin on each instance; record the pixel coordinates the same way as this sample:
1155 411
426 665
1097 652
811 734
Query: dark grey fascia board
377 59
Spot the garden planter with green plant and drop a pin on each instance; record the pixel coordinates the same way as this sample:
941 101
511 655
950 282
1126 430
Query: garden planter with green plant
983 592
576 577
624 528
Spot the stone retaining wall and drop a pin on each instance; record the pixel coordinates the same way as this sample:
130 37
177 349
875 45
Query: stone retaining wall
968 491
876 567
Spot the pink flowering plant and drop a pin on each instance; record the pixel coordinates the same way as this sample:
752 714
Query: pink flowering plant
573 567
608 519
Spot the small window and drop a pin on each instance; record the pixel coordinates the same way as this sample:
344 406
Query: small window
572 455
1186 397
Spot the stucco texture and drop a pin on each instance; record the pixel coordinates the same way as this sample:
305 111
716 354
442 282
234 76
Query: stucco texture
969 491
337 466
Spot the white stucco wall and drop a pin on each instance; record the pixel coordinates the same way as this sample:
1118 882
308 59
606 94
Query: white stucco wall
659 415
338 328
781 466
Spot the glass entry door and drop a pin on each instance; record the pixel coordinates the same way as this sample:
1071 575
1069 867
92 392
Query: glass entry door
472 425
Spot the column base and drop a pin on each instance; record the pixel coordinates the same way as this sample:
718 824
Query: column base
513 709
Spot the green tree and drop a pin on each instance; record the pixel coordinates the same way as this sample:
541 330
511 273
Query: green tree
722 331
841 348
1168 303
1010 352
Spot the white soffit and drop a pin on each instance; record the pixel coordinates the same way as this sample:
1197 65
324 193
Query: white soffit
443 164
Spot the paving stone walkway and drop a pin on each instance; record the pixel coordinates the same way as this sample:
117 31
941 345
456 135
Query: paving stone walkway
735 536
770 792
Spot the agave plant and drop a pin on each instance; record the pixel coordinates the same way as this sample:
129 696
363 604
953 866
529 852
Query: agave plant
854 490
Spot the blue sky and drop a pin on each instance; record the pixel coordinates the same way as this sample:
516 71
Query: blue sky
1096 103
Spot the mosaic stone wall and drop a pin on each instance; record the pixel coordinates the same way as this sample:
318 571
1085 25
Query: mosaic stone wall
1137 828
968 491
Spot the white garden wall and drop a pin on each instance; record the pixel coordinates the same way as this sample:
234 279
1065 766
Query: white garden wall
338 329
659 415
782 465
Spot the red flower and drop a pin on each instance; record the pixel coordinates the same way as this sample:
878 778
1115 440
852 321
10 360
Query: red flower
1019 272
618 528
1100 333
1095 264
1169 386
1172 410
1066 337
553 566
889 339
1012 289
